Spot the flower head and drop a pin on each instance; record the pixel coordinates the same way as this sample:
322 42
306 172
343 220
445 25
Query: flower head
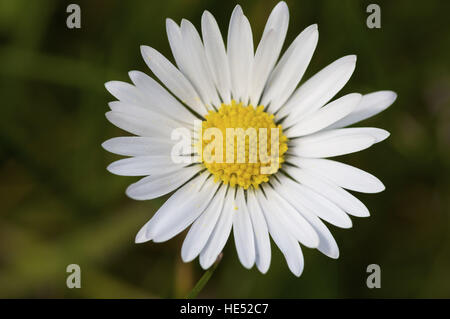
261 151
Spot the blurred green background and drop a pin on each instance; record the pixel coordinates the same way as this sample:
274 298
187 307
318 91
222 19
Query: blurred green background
60 206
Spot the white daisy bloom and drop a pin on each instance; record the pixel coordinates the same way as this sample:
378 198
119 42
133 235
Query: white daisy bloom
239 87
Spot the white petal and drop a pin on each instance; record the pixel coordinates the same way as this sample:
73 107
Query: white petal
240 55
320 205
158 185
327 244
137 125
318 90
243 232
278 19
125 92
216 56
268 49
145 165
137 145
336 194
370 105
158 97
173 79
202 228
221 232
331 145
263 64
179 211
293 221
325 116
344 175
262 240
377 134
199 72
193 186
153 117
177 46
289 71
177 223
283 238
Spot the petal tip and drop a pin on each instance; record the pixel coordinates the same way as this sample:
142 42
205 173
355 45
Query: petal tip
130 192
109 86
145 50
393 96
170 21
186 256
105 145
205 263
352 58
247 265
109 116
297 272
207 15
237 10
334 254
141 236
383 135
364 214
283 5
346 223
263 270
133 74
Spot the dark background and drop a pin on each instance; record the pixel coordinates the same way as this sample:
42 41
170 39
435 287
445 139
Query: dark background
59 205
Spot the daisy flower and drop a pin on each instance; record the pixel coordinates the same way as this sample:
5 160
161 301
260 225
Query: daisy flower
239 87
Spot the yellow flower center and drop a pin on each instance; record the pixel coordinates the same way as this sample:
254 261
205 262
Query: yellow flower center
237 144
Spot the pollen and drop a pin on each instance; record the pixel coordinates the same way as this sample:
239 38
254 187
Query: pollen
241 145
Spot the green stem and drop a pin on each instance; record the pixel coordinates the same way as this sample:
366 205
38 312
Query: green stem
203 280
